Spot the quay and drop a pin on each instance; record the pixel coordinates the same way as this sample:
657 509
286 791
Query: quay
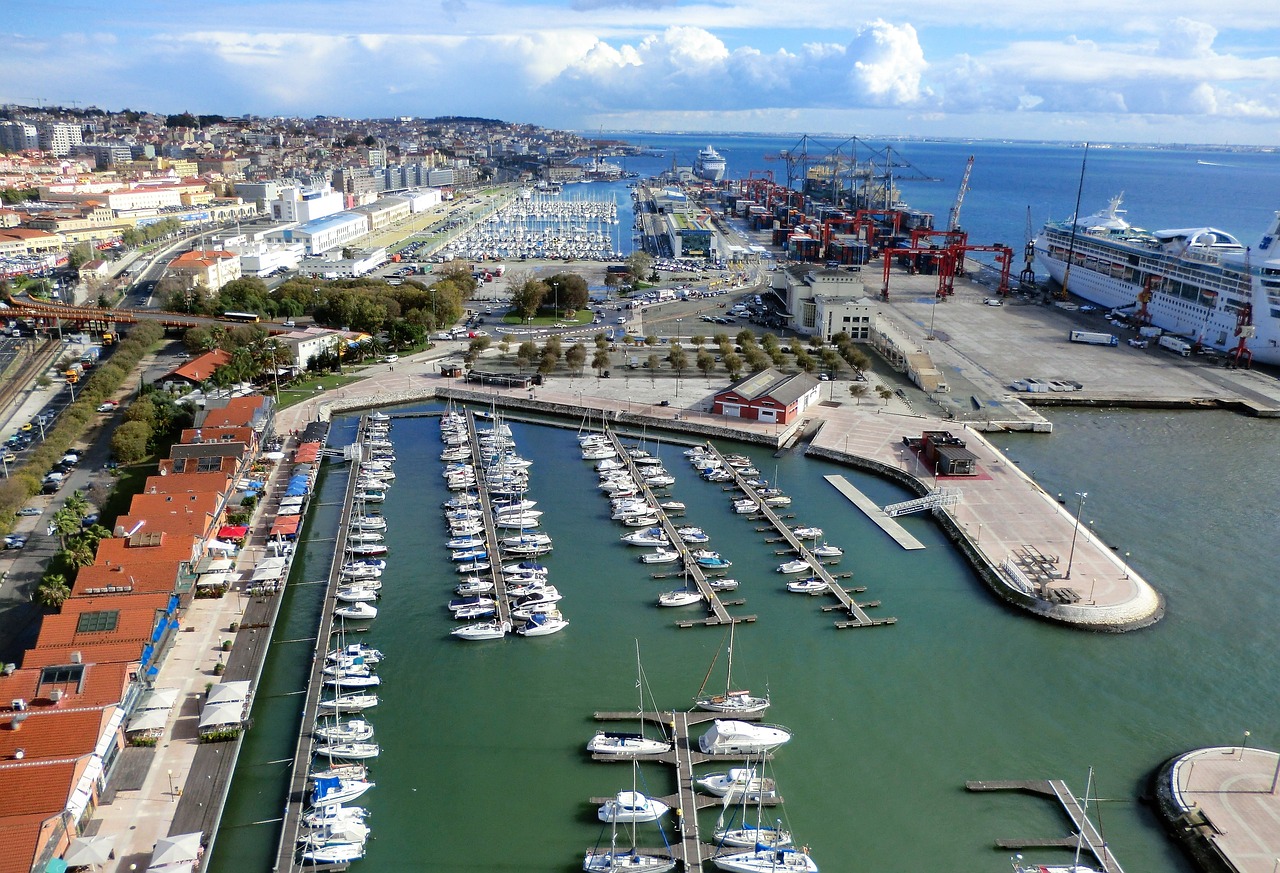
296 801
1085 834
857 617
691 850
490 525
1221 804
882 519
719 613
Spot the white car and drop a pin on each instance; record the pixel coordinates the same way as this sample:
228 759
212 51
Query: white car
993 301
390 359
108 407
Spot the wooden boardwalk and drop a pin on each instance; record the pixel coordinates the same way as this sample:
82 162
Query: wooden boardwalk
691 850
718 612
875 513
492 543
1085 834
857 617
296 803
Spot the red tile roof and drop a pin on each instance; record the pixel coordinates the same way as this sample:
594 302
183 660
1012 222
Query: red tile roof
99 685
22 836
201 368
143 548
31 793
238 412
109 651
178 483
148 577
230 466
61 631
52 734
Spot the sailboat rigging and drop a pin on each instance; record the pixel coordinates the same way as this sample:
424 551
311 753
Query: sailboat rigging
738 702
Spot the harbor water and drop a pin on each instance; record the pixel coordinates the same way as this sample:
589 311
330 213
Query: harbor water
483 765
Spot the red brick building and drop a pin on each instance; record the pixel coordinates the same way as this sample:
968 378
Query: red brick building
769 395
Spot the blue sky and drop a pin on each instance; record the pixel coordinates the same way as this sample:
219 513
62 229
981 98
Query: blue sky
1131 70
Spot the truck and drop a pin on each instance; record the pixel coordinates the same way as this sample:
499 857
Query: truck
1093 338
1176 344
108 338
1150 331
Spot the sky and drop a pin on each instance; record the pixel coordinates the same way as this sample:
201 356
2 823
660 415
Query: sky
1101 70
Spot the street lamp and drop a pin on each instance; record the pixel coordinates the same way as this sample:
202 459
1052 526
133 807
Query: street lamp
170 786
1076 530
1126 565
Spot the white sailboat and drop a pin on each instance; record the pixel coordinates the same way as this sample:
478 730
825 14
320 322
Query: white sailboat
1075 866
628 744
733 701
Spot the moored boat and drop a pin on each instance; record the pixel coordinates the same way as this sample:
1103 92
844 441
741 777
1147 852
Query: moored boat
733 737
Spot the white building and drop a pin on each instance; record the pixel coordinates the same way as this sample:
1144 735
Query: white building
58 137
302 204
19 136
384 212
329 267
306 344
323 234
843 296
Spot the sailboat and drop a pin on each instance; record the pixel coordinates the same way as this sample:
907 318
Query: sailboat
731 701
745 835
626 744
628 807
1075 866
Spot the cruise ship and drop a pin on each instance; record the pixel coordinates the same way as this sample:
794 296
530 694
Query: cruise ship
1199 283
710 165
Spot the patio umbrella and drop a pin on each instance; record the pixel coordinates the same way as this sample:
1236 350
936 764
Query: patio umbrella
173 850
90 851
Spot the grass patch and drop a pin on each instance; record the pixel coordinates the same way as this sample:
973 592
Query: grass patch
300 391
128 482
581 317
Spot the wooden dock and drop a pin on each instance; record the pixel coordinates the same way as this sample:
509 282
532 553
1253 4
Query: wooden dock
691 850
857 616
296 803
875 513
1084 833
492 543
718 612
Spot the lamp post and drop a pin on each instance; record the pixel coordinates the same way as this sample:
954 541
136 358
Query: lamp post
170 772
1076 530
1126 565
1244 744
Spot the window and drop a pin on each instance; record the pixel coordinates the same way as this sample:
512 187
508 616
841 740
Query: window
61 675
97 622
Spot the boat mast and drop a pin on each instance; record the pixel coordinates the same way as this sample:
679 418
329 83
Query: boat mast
1088 785
728 675
1075 224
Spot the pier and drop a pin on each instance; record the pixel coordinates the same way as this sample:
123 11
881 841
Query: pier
1086 835
296 802
885 522
492 543
857 617
691 850
719 613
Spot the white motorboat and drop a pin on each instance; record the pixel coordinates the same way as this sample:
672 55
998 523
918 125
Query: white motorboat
368 523
368 562
459 603
526 567
458 530
355 650
336 832
473 567
470 554
630 807
745 506
471 542
767 860
811 585
356 611
371 495
641 520
477 585
333 790
530 550
721 584
679 597
546 594
356 594
366 550
364 537
732 701
483 630
350 751
461 501
521 520
733 737
522 613
632 510
653 536
777 500
827 551
543 624
740 783
320 816
673 505
525 586
348 703
333 853
794 566
659 480
807 533
504 507
693 535
479 610
353 730
661 556
360 574
354 680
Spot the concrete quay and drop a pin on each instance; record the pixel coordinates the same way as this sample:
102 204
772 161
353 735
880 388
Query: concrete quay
1027 548
1222 804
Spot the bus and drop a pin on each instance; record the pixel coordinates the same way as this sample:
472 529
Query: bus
243 317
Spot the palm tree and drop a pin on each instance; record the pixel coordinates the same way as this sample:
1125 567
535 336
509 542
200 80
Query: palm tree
77 504
79 553
53 591
65 523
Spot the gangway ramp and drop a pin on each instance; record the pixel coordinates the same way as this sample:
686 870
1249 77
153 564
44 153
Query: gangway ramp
932 500
875 513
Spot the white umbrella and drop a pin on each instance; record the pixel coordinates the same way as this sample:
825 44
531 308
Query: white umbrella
174 850
90 851
274 456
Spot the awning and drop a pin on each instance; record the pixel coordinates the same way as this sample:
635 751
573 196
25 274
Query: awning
292 501
209 564
220 546
173 850
158 698
213 580
108 737
286 525
89 851
84 788
215 714
148 720
232 531
266 574
306 453
273 456
290 511
226 692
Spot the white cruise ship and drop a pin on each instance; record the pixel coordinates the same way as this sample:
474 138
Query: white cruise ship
710 165
1199 283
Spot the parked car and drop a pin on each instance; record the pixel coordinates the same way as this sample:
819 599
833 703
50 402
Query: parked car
28 511
108 406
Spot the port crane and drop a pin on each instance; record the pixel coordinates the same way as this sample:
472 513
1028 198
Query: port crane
953 217
1245 329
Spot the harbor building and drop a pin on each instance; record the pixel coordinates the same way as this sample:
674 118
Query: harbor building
944 453
304 205
769 396
361 263
323 234
826 302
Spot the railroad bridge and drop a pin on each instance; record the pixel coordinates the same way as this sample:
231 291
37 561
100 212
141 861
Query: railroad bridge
97 318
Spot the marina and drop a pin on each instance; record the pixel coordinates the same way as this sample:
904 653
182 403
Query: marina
1086 836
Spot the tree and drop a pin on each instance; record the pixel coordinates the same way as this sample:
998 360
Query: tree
52 591
64 524
733 365
129 442
705 362
830 360
576 357
504 343
884 393
600 361
697 340
527 296
651 340
547 362
80 255
526 353
79 553
805 361
655 361
568 291
639 266
678 359
859 390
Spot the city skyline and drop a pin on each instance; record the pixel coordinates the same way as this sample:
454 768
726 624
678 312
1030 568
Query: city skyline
1002 70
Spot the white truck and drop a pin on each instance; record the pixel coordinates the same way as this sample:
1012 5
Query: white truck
1176 344
1093 338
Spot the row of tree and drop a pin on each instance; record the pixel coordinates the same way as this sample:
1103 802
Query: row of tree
151 422
77 547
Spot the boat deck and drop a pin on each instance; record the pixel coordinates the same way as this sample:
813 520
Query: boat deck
857 616
718 612
296 802
490 527
869 508
691 850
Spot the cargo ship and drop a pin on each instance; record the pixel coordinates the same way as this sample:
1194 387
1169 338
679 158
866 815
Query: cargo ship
1199 283
710 165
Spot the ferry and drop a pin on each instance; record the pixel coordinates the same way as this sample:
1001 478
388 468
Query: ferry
710 165
1199 283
